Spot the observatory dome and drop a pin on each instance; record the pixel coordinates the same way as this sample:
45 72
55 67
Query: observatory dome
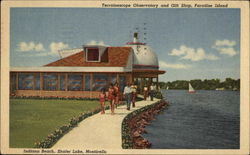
143 54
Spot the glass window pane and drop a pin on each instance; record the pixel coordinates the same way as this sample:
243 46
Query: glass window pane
62 82
122 82
87 83
93 54
25 81
13 81
74 82
50 81
99 81
113 79
37 82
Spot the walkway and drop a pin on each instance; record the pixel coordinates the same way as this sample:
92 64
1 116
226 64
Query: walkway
98 131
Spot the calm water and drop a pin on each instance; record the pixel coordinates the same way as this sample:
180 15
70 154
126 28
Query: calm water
204 120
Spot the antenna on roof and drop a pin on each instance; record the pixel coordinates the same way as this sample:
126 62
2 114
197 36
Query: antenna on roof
145 32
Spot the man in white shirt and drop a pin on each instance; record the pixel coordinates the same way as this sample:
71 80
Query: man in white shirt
152 92
128 92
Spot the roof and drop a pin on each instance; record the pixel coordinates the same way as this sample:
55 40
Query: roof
71 69
112 57
149 71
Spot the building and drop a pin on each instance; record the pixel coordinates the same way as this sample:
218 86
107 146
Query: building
84 72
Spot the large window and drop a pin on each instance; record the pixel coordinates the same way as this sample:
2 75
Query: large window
87 83
25 81
92 54
113 78
50 81
75 82
99 81
13 81
122 82
62 82
37 81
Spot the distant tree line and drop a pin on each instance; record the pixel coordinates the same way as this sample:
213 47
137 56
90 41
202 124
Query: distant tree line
198 84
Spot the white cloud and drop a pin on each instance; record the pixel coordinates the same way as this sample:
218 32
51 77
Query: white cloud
225 47
173 66
30 46
192 54
226 51
93 42
56 46
225 42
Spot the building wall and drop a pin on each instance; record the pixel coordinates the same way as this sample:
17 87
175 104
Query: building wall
62 85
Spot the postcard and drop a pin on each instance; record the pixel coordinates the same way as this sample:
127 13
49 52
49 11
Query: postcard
125 77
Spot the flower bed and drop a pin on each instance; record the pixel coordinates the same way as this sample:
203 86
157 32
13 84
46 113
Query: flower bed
52 97
134 125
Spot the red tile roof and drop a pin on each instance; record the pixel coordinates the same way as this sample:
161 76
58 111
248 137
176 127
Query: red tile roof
113 56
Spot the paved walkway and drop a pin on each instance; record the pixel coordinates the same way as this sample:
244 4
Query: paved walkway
98 131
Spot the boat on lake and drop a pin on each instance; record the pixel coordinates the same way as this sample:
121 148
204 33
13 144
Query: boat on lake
190 88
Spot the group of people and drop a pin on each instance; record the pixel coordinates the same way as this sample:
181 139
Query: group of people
149 91
114 96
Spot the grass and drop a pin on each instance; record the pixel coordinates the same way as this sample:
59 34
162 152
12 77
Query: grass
31 120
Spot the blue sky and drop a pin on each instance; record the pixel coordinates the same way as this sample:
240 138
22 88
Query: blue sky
190 43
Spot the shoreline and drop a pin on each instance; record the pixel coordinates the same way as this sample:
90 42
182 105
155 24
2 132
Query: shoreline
133 125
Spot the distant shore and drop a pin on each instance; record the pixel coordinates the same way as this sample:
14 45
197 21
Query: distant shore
206 84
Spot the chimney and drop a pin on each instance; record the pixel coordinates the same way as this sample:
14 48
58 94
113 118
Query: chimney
136 37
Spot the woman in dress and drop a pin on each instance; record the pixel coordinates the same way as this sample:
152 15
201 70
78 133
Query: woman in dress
111 97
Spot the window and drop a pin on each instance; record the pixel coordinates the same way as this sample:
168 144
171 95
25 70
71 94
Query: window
25 81
113 78
75 82
13 81
37 81
87 82
62 82
50 81
122 82
92 54
99 81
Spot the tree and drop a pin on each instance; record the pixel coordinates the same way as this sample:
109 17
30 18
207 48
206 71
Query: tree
211 84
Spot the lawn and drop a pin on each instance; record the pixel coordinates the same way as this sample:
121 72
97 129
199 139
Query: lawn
31 120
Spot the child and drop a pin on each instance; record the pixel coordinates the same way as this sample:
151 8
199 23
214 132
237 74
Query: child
102 97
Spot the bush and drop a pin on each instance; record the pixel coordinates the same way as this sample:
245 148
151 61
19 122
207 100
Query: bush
158 95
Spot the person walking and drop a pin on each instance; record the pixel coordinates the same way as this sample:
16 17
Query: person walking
134 93
102 98
127 93
117 94
152 92
111 97
145 92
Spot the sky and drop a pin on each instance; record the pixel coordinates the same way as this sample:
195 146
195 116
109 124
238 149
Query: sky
190 43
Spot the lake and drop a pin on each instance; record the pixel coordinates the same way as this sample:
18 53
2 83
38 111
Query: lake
203 120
